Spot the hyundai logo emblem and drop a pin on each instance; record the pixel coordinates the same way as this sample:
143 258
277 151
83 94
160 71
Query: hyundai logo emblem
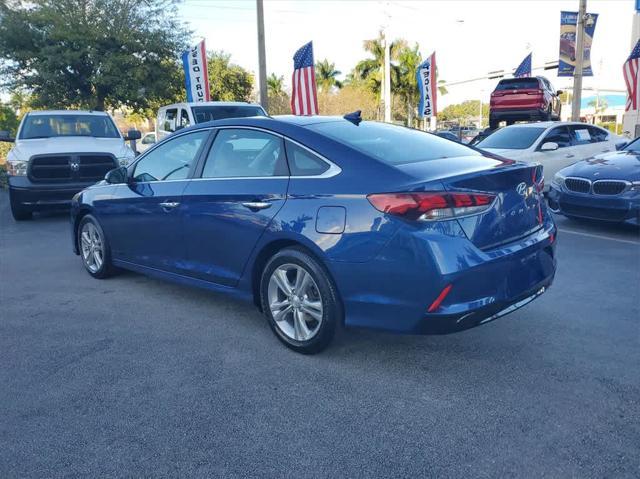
522 189
75 165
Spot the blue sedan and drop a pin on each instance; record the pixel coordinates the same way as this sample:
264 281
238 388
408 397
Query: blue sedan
327 221
605 187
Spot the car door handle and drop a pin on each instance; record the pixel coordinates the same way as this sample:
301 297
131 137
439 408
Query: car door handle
256 205
569 155
169 204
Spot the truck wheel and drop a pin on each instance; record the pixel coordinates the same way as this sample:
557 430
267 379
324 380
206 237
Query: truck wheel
19 212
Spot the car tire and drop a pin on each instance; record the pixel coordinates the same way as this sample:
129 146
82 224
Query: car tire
19 212
94 248
306 319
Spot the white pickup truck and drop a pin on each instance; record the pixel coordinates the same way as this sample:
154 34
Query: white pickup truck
59 153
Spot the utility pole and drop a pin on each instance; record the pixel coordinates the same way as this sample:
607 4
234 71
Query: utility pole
577 72
262 58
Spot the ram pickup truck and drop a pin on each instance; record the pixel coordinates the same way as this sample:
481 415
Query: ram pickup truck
59 153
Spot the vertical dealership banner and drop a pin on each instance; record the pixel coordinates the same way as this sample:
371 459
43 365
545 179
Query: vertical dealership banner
194 62
426 77
568 26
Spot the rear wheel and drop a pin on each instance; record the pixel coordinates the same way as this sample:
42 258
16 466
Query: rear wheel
19 212
94 249
300 301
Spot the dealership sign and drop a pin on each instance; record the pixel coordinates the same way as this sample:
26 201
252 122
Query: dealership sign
194 62
426 77
567 62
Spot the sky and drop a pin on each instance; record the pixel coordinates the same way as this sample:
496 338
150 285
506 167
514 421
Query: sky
470 37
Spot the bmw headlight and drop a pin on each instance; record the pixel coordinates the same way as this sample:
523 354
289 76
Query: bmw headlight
635 185
17 168
558 179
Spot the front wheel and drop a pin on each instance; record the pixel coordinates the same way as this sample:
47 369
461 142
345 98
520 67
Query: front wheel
94 249
300 301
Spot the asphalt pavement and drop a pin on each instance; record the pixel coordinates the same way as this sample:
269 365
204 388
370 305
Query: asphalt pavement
136 377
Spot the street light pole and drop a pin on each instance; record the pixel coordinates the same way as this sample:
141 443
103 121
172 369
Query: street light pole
262 60
577 72
387 78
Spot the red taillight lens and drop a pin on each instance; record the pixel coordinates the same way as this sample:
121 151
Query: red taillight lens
431 206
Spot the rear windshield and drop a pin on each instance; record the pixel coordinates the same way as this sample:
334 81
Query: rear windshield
518 138
518 84
218 112
47 126
394 145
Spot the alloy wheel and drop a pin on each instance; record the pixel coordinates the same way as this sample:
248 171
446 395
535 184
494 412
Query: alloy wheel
92 247
295 302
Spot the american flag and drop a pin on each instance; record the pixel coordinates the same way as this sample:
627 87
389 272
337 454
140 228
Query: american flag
304 98
630 72
524 70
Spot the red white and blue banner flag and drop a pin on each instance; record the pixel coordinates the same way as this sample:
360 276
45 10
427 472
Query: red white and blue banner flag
524 69
568 26
426 77
304 96
194 62
631 78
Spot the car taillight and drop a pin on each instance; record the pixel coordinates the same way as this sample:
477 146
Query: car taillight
431 206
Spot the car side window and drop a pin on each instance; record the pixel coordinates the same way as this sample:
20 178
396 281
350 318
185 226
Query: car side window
245 153
304 163
184 118
169 122
580 134
559 135
597 134
171 160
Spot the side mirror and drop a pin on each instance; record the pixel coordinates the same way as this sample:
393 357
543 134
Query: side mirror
621 145
549 146
559 92
133 135
117 176
5 136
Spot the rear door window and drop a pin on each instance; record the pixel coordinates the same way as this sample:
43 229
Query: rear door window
580 134
598 134
244 153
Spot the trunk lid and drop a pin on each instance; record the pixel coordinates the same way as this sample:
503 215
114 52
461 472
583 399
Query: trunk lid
517 210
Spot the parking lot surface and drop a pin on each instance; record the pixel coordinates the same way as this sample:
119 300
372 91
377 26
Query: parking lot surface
132 376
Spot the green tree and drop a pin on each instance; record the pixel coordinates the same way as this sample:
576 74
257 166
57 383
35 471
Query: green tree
227 81
275 85
278 98
8 119
326 75
599 104
92 53
465 112
405 81
369 71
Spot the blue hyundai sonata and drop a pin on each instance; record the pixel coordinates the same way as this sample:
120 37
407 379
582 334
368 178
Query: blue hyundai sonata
325 221
605 187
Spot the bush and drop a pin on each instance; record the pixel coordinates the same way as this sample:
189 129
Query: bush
3 176
4 149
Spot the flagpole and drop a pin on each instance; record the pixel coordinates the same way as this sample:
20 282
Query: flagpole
262 61
577 72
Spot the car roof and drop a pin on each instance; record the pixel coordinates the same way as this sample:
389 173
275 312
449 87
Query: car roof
68 112
211 103
548 124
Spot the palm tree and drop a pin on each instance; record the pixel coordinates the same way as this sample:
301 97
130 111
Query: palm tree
404 78
326 74
275 85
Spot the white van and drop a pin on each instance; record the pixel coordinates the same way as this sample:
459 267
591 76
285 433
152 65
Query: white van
180 115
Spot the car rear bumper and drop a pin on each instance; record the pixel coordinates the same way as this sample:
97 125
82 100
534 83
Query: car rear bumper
396 290
39 196
533 113
620 208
